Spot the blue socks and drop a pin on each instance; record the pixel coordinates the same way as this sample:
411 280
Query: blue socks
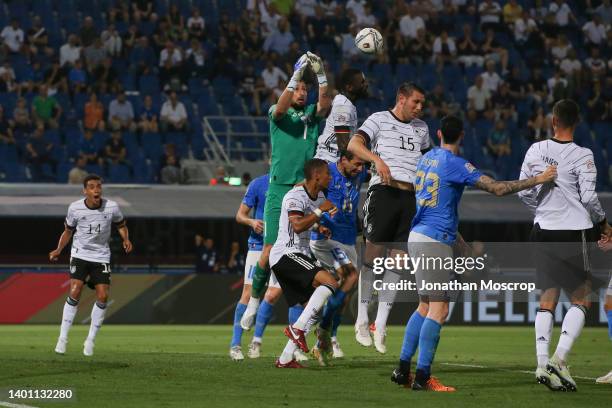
294 313
334 303
336 323
609 314
428 343
411 337
237 336
263 317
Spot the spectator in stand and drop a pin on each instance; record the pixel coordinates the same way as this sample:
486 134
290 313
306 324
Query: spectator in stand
491 78
504 103
524 27
596 65
12 37
279 40
70 52
142 9
206 255
142 56
397 47
176 22
105 77
318 30
196 25
512 11
350 52
436 102
45 108
367 19
469 49
89 149
479 97
538 126
271 76
220 177
8 81
516 85
490 15
173 115
572 67
444 49
88 32
94 55
171 172
557 87
6 133
605 11
78 173
39 152
493 50
171 64
94 114
598 104
235 259
114 150
55 78
21 116
113 43
537 87
130 39
595 31
563 13
38 38
121 113
169 151
560 50
148 117
195 60
498 141
252 87
421 48
77 77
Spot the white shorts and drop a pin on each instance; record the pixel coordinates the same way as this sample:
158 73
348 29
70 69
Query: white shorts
249 270
333 254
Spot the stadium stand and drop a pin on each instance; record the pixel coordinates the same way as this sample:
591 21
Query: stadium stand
214 63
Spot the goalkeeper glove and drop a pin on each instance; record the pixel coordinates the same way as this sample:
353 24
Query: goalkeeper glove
298 71
317 66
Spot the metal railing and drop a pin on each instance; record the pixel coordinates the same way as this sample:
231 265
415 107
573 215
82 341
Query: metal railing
225 142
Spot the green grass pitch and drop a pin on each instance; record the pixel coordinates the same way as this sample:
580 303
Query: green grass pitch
188 366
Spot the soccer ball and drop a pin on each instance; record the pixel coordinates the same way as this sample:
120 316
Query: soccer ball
369 41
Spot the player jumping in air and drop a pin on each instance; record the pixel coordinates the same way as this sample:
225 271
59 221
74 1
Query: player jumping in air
565 213
301 277
294 129
90 222
397 139
338 251
441 176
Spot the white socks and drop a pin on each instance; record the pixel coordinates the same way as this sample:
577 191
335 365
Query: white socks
385 302
573 322
365 295
543 332
291 347
97 317
70 310
315 303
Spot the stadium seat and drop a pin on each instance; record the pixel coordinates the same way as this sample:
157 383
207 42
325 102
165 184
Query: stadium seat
152 145
148 84
119 173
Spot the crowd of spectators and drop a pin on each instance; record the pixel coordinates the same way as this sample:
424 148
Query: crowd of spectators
124 76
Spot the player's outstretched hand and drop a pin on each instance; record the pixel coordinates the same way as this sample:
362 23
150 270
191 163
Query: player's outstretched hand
383 171
54 255
548 175
316 63
127 246
328 207
299 67
606 232
258 226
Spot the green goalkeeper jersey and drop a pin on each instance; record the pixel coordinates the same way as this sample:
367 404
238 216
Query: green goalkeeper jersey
294 140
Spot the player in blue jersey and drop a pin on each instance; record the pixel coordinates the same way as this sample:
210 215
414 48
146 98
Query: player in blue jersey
440 179
254 200
338 251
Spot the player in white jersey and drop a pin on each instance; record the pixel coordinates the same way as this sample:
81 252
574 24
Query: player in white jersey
565 213
301 277
89 223
397 139
342 120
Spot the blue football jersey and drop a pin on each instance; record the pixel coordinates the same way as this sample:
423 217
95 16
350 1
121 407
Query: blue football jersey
344 193
440 179
255 198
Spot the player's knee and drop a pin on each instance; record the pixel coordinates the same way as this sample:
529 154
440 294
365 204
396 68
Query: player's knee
246 294
608 305
423 308
272 295
325 278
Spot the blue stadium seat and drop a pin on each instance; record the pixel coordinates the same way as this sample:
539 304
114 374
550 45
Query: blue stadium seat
207 104
148 84
119 173
152 145
62 171
242 125
223 87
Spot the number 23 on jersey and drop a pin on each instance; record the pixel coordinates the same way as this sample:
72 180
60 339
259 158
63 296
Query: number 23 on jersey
431 184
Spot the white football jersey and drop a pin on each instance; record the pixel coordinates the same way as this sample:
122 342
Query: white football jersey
92 229
343 115
570 203
296 200
398 144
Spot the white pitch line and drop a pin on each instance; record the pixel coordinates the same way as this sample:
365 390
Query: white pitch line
507 370
11 405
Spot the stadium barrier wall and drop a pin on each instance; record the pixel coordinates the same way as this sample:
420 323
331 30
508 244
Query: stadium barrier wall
32 297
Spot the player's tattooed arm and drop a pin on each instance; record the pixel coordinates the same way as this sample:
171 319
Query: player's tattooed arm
502 188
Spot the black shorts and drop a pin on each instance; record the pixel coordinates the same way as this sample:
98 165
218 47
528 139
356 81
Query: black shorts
295 273
388 213
561 257
99 273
